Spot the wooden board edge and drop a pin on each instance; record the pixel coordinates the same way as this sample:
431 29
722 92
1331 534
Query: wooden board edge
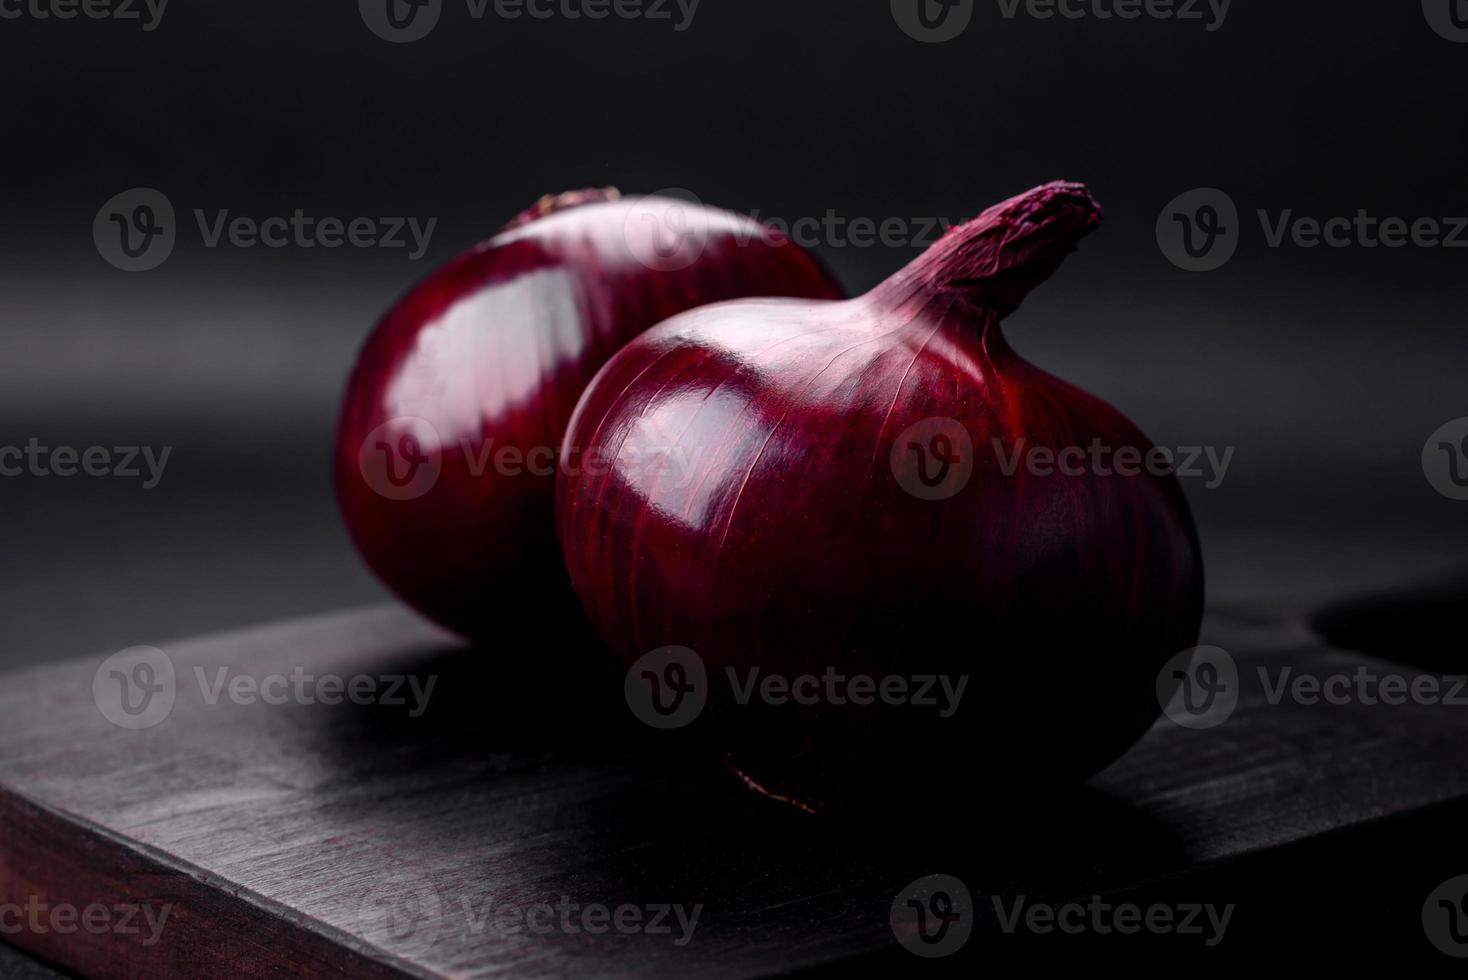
94 903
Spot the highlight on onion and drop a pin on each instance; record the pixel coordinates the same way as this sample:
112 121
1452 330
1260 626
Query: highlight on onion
444 456
806 494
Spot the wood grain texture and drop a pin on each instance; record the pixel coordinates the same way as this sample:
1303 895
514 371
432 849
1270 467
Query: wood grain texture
349 840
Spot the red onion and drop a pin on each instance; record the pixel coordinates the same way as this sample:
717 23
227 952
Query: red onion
849 503
444 455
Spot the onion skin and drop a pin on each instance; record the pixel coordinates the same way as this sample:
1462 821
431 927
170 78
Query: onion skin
497 344
790 544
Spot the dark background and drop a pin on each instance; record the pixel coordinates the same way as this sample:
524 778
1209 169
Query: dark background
1326 368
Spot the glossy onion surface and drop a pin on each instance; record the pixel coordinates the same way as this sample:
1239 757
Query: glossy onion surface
444 458
807 487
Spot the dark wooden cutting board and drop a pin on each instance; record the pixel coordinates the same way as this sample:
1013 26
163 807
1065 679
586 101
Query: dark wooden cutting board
357 840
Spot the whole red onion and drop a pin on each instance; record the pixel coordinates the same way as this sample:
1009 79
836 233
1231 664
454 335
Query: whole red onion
818 488
444 454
